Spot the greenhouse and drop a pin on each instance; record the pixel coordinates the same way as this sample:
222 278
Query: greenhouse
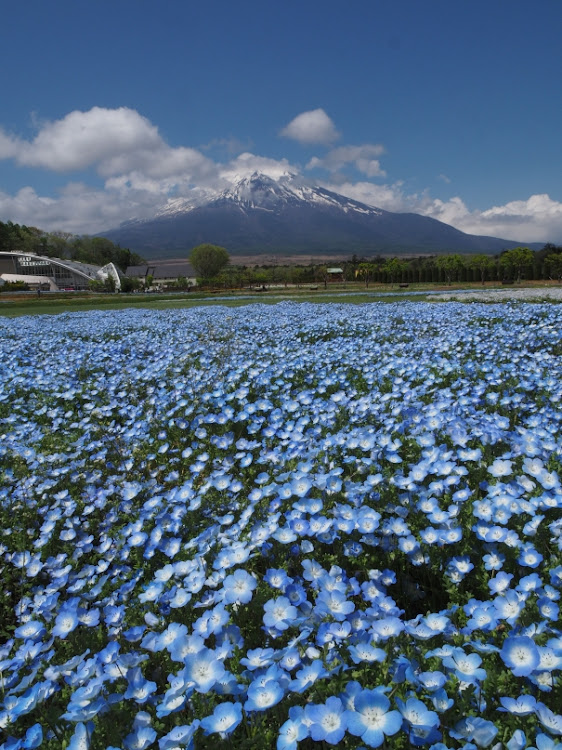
53 274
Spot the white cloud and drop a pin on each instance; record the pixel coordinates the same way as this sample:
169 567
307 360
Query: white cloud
311 127
78 209
246 164
142 172
363 157
537 219
117 142
387 197
128 193
82 139
9 146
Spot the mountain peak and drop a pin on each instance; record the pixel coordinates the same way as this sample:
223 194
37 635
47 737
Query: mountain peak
259 213
260 191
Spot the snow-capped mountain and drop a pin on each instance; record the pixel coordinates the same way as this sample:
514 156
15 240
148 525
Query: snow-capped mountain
258 214
264 193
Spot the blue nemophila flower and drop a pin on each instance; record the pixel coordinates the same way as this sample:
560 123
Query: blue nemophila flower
500 468
67 620
548 609
524 705
365 651
262 696
32 630
441 701
174 700
293 730
509 606
518 740
279 613
543 742
371 719
333 603
529 557
500 583
203 669
277 578
307 676
212 622
290 660
181 736
465 666
416 713
224 719
520 654
33 737
80 740
327 722
477 730
257 658
239 587
387 628
141 738
550 721
139 689
432 681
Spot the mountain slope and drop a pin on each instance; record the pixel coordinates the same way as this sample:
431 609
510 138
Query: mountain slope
262 215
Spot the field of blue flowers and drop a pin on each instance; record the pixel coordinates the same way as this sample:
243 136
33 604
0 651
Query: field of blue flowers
289 526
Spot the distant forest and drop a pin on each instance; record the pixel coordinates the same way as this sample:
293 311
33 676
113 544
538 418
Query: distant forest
516 263
95 250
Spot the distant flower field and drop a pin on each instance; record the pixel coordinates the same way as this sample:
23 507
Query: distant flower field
289 526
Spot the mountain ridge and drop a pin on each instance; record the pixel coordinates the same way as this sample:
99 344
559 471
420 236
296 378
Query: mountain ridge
259 214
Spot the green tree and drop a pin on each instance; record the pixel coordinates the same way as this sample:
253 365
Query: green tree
483 264
553 263
451 265
365 271
321 274
394 268
297 275
209 260
130 285
515 260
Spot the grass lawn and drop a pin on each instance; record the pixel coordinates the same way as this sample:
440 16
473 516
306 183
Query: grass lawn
15 305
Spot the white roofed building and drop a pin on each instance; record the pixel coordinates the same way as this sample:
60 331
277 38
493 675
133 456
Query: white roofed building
54 274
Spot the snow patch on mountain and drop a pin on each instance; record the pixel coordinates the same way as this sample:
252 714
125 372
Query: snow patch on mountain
259 191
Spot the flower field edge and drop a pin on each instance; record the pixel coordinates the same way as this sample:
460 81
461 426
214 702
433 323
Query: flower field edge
282 526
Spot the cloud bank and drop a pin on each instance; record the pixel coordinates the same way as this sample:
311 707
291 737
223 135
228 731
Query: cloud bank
140 173
311 128
362 157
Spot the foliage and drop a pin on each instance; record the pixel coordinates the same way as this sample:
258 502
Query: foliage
299 525
208 260
14 286
95 250
394 268
554 264
365 271
483 264
450 265
516 260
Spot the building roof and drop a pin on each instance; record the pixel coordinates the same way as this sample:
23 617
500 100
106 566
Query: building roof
162 271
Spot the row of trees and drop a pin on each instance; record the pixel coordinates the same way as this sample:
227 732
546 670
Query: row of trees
511 265
211 264
96 250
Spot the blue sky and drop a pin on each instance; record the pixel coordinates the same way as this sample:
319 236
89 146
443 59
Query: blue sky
451 109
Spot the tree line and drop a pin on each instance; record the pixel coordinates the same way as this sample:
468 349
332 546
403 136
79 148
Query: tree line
511 265
96 250
212 266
